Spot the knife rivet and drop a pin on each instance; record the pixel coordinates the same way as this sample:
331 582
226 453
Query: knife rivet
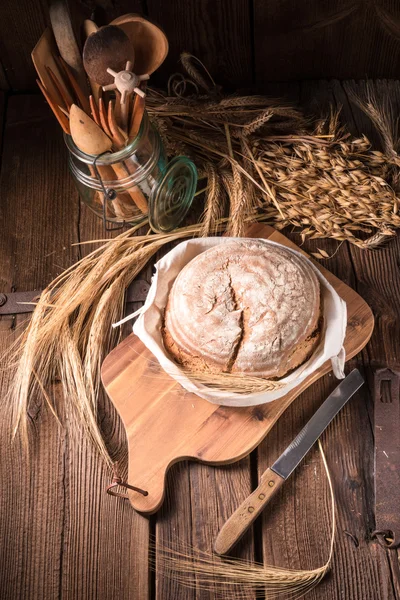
251 509
261 496
3 299
271 483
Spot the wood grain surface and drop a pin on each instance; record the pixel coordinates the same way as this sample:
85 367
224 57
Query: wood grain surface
165 424
348 442
62 531
61 537
241 42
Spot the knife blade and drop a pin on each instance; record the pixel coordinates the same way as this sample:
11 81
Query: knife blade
273 478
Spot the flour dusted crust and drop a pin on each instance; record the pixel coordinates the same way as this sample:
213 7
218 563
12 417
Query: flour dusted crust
247 306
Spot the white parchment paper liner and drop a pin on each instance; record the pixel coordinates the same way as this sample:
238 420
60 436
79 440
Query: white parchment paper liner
149 324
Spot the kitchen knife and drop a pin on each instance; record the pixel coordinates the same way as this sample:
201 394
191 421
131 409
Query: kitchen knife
273 478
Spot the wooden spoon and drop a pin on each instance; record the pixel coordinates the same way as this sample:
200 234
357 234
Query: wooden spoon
108 48
90 27
149 42
88 136
66 41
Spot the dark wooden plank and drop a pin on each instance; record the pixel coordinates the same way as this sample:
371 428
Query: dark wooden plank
38 221
104 12
106 543
218 33
173 529
21 25
3 104
292 40
64 536
4 85
314 40
300 516
198 501
378 276
216 492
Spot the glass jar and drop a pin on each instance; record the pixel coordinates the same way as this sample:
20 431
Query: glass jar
135 183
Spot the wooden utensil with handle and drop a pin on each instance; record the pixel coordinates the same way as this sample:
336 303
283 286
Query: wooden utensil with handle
137 116
238 523
103 117
273 478
44 57
87 135
149 42
90 27
67 100
91 139
128 167
66 41
79 91
61 118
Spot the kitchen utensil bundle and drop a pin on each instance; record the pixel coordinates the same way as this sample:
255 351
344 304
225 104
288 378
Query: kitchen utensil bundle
68 76
98 97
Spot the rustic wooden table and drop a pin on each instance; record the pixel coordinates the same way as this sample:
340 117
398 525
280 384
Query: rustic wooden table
61 535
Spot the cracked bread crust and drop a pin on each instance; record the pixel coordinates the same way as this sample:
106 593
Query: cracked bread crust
247 306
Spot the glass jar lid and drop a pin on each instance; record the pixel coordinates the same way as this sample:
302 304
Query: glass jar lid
172 196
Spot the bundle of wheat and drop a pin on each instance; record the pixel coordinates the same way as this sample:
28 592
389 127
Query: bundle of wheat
70 332
261 155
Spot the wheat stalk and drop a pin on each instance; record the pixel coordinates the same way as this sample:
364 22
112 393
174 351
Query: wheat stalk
70 332
233 382
235 578
214 203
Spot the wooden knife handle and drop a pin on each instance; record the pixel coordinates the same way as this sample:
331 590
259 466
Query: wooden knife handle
248 511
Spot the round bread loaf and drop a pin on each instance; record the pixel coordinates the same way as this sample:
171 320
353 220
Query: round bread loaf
247 306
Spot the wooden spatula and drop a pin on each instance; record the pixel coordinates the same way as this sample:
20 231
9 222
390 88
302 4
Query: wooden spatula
137 116
44 57
80 93
61 118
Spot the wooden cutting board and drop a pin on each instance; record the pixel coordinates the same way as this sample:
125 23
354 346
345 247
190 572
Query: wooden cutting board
165 424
